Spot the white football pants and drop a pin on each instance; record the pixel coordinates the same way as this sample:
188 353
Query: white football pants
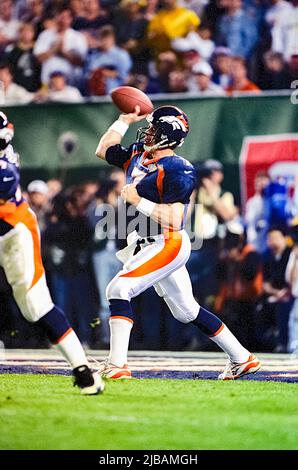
160 264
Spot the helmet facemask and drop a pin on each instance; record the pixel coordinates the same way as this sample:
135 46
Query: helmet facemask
151 138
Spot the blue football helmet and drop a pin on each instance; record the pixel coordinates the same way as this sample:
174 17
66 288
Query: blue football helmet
168 128
6 131
9 180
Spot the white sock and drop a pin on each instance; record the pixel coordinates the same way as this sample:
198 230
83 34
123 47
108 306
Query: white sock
230 345
120 333
72 350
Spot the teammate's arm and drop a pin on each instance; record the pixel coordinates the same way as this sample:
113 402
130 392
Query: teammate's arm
116 132
167 215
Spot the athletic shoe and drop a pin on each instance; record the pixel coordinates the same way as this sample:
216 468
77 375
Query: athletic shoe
110 371
90 384
234 370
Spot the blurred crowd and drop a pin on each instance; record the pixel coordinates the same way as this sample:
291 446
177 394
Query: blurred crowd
244 263
52 50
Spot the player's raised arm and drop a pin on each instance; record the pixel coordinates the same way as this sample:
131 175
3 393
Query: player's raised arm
116 132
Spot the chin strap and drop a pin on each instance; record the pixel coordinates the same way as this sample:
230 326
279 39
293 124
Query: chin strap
152 148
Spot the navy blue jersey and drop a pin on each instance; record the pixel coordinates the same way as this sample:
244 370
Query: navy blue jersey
9 207
161 180
10 156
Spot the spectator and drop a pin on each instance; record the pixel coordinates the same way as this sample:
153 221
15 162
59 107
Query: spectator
67 241
189 59
277 202
165 64
77 8
101 215
214 207
9 26
48 21
276 75
213 11
278 301
10 92
276 11
237 30
292 279
284 33
117 175
171 21
256 226
108 65
34 13
92 18
218 204
199 40
293 67
24 65
195 5
88 189
130 26
240 273
55 187
203 73
221 63
139 81
151 8
59 90
61 47
256 9
177 81
295 197
38 198
239 80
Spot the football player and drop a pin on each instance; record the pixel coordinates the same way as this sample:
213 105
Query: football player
160 184
20 257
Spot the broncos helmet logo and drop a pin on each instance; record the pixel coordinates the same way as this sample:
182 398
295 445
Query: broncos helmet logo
177 122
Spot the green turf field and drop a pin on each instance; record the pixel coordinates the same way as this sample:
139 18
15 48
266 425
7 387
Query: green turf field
46 412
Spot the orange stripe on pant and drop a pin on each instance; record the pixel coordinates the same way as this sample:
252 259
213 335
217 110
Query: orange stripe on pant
70 330
173 242
218 331
24 215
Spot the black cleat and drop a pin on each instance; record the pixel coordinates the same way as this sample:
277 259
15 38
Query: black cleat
90 384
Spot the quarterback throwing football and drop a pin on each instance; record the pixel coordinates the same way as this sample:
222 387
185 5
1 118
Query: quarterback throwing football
160 184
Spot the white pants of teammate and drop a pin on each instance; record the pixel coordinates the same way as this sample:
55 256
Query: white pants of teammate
21 260
160 264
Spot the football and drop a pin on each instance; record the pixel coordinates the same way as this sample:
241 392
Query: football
126 98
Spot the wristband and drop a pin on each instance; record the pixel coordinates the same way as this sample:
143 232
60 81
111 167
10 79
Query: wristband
145 206
119 126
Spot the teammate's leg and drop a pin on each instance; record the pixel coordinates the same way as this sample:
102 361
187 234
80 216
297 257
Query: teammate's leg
21 260
176 290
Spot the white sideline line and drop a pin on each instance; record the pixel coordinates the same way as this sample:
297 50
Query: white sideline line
147 360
